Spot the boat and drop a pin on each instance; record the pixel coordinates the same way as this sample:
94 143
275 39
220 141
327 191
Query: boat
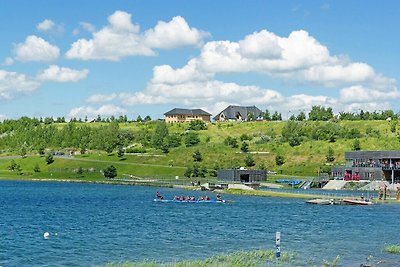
322 201
189 201
352 201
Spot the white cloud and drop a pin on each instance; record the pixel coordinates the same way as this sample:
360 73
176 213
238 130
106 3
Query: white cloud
8 61
360 94
12 83
121 38
172 34
87 26
61 74
91 112
36 49
3 117
45 25
101 98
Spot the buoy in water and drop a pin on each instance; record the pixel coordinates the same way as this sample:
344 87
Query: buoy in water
46 235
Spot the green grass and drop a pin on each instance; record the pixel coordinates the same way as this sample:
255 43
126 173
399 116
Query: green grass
304 160
393 249
235 259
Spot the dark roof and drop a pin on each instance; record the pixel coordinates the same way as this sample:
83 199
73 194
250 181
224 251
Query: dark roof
183 111
231 112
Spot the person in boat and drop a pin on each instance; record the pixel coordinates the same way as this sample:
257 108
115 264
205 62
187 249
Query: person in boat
207 198
159 196
219 198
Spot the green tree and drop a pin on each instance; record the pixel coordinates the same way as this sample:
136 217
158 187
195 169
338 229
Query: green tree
245 147
249 161
49 159
160 133
356 145
250 116
23 152
197 125
197 157
191 139
110 172
36 168
147 118
279 160
41 151
330 157
188 172
301 116
120 152
139 118
230 141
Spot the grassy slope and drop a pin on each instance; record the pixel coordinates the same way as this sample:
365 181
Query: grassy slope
303 160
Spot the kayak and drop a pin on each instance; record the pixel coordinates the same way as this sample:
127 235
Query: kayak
357 202
189 201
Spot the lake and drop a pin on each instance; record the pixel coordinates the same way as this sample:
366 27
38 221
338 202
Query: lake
92 224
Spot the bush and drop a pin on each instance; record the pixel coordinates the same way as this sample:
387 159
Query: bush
197 125
110 172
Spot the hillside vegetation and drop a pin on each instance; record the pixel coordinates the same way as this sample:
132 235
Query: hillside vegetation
157 150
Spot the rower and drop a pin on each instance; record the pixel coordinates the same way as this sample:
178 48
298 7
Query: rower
219 198
159 196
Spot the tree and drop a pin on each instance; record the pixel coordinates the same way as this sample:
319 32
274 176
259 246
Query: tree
294 140
301 116
197 125
188 172
139 118
249 161
356 145
245 147
147 118
191 139
49 159
250 116
41 150
36 168
279 160
330 157
230 141
197 157
120 152
110 172
23 152
160 133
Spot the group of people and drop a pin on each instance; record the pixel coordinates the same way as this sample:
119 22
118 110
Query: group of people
189 198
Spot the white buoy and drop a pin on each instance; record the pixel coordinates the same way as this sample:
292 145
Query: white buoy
46 235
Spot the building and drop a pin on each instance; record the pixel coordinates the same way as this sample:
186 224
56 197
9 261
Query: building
370 165
242 175
185 115
238 113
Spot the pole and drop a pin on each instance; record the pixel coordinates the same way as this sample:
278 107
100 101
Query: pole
278 246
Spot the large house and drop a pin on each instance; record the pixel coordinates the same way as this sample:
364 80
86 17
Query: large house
185 115
238 113
370 165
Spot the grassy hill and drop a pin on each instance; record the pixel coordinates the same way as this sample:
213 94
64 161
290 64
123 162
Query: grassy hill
265 143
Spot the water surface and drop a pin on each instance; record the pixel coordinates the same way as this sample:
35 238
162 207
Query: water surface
93 225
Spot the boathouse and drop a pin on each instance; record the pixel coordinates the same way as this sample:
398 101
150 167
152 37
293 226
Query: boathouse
242 175
370 165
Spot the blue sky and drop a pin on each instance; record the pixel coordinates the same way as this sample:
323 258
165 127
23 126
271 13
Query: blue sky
88 58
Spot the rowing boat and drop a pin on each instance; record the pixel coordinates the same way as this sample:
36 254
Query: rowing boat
189 201
357 202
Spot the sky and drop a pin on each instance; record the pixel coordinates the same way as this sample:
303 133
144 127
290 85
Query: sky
70 58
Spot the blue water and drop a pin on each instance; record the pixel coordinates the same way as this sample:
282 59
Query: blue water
96 224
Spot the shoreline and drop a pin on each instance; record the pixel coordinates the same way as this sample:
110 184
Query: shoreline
156 183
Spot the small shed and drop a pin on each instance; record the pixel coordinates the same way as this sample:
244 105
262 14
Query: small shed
242 175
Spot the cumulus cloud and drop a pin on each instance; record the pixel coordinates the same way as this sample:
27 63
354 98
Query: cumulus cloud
36 49
45 25
172 34
91 112
12 83
8 61
61 74
121 38
361 94
101 98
